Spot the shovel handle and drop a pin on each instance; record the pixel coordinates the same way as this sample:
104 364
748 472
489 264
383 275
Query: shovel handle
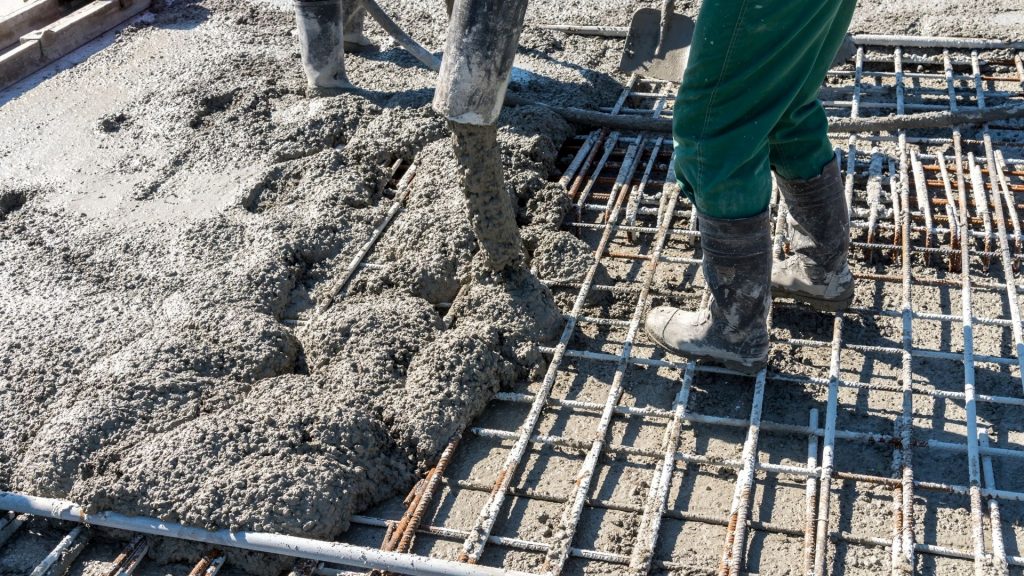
668 7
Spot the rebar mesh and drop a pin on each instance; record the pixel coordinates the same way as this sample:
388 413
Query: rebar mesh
886 438
874 438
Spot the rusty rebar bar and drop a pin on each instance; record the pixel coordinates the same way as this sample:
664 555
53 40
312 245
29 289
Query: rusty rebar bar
209 564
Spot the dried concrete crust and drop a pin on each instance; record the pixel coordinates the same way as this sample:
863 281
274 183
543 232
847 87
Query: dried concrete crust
145 365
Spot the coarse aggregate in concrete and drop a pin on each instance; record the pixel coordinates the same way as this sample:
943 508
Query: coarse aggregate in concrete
166 206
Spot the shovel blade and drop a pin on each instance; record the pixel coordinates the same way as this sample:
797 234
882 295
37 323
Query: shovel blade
643 54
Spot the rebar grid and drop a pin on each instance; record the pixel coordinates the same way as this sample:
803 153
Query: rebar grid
941 206
928 213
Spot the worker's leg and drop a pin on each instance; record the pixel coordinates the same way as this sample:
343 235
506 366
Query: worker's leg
809 179
750 61
355 39
320 25
799 145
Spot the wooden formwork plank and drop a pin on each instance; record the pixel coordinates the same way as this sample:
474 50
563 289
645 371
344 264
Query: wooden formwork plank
26 19
24 57
65 35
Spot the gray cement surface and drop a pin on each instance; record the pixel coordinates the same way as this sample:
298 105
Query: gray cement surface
169 203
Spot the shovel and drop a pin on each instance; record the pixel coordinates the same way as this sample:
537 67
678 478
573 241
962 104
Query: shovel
658 43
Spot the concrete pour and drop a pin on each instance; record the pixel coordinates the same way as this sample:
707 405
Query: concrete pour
482 182
166 204
146 367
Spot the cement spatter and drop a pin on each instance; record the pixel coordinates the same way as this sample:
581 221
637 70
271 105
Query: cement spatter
428 246
483 184
498 319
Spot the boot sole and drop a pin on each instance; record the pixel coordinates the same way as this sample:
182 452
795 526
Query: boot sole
747 369
820 304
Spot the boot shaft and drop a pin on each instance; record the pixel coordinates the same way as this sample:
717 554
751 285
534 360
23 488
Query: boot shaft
737 268
819 222
817 271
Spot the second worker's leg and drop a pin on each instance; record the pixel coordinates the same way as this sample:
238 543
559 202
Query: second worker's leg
809 179
355 39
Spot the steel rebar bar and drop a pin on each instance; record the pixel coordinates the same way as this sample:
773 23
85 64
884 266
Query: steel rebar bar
661 480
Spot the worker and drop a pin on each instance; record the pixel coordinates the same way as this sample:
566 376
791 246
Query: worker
748 106
326 30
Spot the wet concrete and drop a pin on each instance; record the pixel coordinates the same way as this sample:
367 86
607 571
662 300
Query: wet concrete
482 182
154 240
147 366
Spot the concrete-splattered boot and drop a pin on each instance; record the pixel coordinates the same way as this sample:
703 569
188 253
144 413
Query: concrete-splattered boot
355 39
817 271
321 41
733 330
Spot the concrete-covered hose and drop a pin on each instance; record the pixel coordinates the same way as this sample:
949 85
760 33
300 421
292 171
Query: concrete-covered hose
322 43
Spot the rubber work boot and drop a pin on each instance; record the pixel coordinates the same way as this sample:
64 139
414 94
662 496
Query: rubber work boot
355 39
319 24
733 330
817 271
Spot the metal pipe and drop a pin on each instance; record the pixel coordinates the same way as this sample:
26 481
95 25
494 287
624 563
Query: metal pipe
483 36
396 32
292 546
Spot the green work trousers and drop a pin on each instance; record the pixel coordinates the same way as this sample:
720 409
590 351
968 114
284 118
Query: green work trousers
748 102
